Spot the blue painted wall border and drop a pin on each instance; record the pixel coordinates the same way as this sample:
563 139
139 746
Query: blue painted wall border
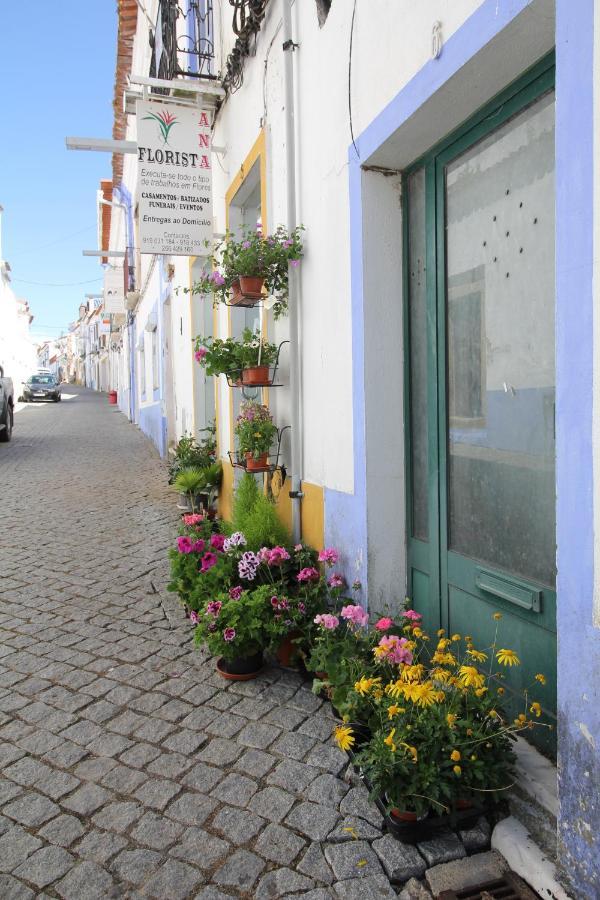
578 640
346 514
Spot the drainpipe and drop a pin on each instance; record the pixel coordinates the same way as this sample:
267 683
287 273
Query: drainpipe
294 293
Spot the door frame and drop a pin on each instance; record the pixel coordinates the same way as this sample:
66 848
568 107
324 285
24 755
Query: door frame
530 86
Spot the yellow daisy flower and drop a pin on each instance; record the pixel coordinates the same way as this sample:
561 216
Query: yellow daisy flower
393 710
412 673
427 694
455 756
440 675
344 737
457 770
441 632
480 691
365 685
456 637
479 655
541 678
536 708
442 644
507 658
497 616
500 691
411 750
451 719
389 740
471 677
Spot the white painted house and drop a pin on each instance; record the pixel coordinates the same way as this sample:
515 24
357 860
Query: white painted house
440 382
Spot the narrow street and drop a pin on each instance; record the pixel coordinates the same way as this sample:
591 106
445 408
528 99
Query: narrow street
129 769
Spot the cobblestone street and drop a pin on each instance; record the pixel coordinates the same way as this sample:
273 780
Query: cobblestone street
129 768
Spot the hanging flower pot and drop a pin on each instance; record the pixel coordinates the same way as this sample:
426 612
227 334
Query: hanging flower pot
242 668
255 375
239 298
256 463
252 286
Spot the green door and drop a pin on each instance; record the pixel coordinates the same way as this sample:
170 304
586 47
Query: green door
479 246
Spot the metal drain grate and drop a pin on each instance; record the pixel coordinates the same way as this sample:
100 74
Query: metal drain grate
509 887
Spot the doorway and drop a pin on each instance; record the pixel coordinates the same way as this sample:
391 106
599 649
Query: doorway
479 246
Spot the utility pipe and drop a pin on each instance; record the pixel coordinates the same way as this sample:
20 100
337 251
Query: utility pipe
294 293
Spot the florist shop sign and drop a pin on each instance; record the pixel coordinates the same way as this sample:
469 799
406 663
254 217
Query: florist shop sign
174 183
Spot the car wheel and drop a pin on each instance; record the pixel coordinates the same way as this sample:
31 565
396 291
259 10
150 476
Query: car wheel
6 433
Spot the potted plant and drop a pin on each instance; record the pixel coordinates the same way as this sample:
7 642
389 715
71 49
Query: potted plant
246 361
256 356
249 267
255 431
196 484
218 356
190 452
234 628
440 736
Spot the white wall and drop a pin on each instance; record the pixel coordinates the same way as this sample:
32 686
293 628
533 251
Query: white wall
389 45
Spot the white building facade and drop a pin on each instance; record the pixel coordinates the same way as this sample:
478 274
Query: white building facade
441 159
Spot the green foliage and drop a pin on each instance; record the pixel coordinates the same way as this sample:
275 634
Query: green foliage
230 356
252 254
245 617
263 527
190 452
246 494
195 480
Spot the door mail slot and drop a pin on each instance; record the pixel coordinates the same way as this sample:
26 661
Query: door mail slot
510 589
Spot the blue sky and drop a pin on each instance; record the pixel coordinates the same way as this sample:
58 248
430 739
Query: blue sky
57 65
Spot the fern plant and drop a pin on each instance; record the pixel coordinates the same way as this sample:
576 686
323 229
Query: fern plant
256 516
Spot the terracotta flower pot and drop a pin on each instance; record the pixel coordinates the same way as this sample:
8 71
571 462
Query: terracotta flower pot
255 375
238 298
287 650
243 668
257 463
251 286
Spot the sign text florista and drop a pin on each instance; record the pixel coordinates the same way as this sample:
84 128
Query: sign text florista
174 183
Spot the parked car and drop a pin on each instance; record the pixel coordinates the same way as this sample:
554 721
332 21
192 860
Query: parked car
6 407
41 387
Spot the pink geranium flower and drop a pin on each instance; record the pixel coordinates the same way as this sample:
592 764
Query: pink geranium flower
217 541
229 634
384 624
214 608
277 556
392 648
412 615
236 592
355 614
329 556
185 544
327 621
308 574
200 354
194 617
192 519
198 546
208 561
336 581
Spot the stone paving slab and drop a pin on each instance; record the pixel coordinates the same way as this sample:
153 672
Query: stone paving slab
129 767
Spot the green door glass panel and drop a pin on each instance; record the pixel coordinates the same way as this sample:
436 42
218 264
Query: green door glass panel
499 200
481 384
